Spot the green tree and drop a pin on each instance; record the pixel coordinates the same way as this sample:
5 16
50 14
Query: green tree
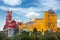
3 35
34 34
22 36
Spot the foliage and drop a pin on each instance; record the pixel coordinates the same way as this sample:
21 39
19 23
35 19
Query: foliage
25 36
22 36
3 35
34 34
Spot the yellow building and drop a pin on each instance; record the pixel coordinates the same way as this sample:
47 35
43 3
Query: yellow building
49 22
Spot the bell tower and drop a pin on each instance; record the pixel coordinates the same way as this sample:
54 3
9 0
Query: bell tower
9 19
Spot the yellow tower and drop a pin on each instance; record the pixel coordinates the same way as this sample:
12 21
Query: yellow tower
50 20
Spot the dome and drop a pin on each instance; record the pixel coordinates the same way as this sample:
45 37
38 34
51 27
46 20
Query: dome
51 11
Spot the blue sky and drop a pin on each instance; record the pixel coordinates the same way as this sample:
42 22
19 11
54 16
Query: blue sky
23 10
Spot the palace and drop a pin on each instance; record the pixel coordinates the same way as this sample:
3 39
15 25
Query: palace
49 22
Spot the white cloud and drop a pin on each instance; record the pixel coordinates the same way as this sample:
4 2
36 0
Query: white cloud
47 4
44 5
32 14
12 2
21 11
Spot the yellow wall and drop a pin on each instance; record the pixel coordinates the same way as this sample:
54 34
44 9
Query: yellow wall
48 22
38 25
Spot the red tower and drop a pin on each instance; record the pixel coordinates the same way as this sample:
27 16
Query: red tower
9 19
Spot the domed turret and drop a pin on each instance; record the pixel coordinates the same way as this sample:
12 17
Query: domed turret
51 11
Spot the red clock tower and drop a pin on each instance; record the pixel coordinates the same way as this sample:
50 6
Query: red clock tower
9 19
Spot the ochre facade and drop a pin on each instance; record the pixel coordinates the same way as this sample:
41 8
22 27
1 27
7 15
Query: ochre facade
49 22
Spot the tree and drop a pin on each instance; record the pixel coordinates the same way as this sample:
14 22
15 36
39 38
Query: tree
3 35
22 36
34 34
